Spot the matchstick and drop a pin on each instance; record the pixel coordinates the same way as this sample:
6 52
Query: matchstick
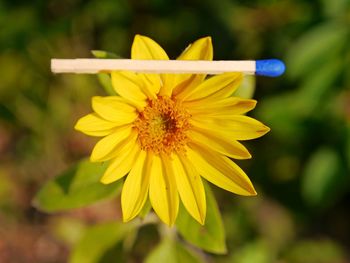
268 67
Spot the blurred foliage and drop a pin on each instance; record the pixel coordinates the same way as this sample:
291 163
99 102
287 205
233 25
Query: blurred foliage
107 235
300 169
170 251
211 236
78 187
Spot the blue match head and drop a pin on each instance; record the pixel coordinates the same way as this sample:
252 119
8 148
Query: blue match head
269 67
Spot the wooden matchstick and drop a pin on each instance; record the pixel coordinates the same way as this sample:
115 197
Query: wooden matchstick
269 67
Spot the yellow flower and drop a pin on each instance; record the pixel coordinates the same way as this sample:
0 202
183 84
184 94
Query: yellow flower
167 132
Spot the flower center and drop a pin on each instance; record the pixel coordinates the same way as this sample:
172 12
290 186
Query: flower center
162 126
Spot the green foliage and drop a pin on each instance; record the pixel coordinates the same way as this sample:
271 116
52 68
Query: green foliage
321 251
211 236
77 187
104 78
323 178
105 81
172 251
146 209
293 107
97 240
104 54
317 47
256 251
316 88
301 166
247 88
68 229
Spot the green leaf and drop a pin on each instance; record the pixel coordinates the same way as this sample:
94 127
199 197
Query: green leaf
316 87
97 240
67 229
279 112
171 251
77 187
316 47
105 81
211 236
256 251
146 209
335 8
104 54
315 251
104 78
286 112
185 255
247 88
322 178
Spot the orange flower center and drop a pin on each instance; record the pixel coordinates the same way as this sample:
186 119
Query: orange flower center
162 126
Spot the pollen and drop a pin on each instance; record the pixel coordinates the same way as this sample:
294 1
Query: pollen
162 126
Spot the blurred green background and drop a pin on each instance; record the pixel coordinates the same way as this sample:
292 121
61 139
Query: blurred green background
300 169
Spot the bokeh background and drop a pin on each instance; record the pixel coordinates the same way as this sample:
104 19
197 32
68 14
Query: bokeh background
300 169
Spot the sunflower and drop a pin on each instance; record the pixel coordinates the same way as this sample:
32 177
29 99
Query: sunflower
165 132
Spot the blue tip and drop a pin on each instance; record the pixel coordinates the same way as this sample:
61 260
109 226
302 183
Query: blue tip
270 67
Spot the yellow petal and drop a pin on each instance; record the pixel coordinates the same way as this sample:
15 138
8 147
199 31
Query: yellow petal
237 126
190 187
219 144
129 86
217 87
202 49
135 189
227 106
184 85
220 170
162 190
111 145
99 133
121 165
94 125
114 109
145 48
152 84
